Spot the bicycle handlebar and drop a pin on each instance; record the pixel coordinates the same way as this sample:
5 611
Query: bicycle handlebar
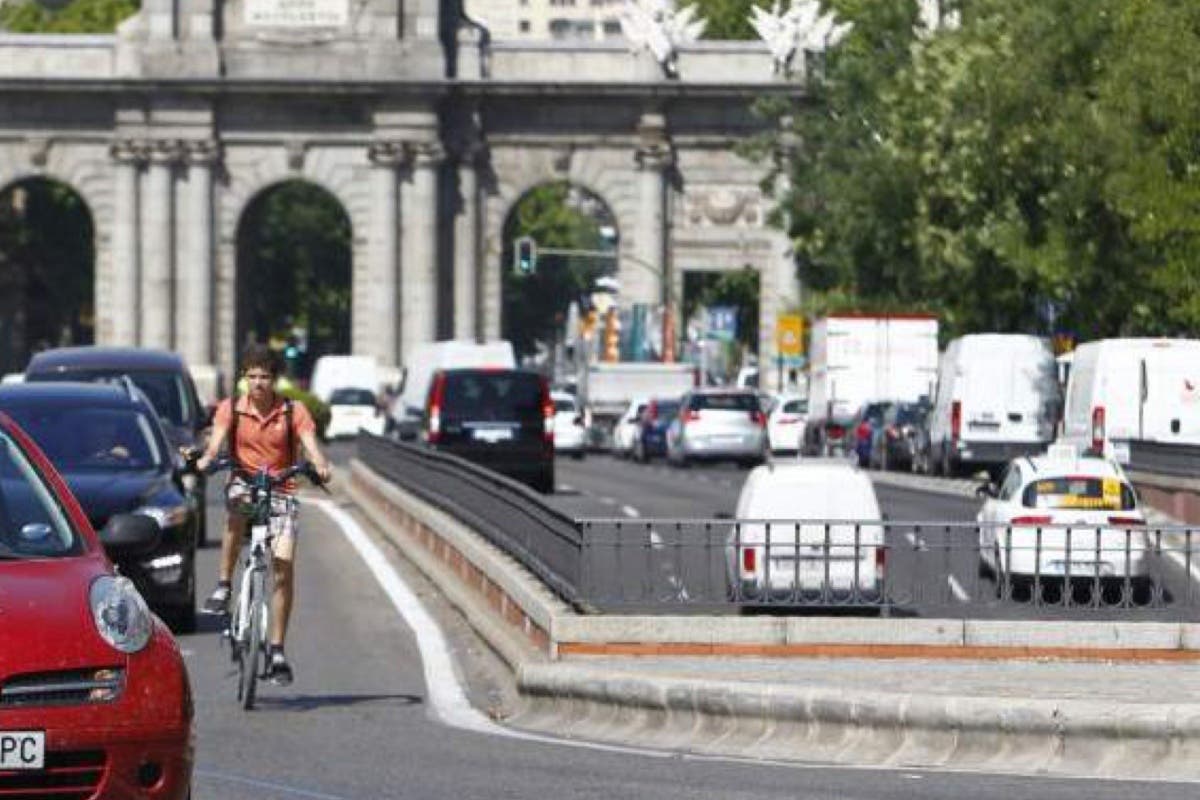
303 467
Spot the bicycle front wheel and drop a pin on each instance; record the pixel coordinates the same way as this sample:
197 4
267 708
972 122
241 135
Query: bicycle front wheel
252 647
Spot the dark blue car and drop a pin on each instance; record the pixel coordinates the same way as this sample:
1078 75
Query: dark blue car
651 437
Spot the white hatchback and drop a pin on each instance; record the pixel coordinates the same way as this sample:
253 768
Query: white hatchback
570 432
807 533
1063 515
785 424
628 427
352 410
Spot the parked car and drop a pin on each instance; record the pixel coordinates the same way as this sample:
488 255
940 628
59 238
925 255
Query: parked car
650 440
807 533
570 432
1124 390
627 427
896 441
108 444
333 372
161 375
785 424
1064 514
94 695
997 398
502 419
352 410
718 424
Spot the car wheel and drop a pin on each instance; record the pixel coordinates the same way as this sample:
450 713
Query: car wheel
577 455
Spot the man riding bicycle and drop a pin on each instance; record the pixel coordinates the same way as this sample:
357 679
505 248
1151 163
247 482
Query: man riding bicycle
262 428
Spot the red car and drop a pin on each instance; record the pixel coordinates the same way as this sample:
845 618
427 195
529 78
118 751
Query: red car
94 696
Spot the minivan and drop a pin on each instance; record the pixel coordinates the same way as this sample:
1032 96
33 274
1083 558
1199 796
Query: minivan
502 419
997 398
1133 389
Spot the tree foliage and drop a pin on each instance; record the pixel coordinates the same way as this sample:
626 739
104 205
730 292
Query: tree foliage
78 16
1037 168
727 19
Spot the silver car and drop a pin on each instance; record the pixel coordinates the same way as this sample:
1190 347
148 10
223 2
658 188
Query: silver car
718 424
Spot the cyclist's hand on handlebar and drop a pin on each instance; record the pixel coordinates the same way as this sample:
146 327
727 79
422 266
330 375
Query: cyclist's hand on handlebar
323 471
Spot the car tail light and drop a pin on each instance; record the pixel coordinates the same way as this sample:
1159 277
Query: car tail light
749 559
434 428
1098 428
758 418
547 415
1031 520
955 420
689 415
891 432
880 563
835 431
1126 521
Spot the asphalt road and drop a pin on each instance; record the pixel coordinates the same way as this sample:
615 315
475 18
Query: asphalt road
357 723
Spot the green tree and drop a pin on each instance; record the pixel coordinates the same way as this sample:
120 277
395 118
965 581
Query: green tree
535 306
727 19
78 16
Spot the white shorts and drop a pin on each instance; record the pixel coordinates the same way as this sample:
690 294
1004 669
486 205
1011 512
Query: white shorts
285 512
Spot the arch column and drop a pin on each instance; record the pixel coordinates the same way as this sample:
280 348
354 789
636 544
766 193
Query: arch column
128 157
156 299
194 289
384 331
644 282
467 278
418 291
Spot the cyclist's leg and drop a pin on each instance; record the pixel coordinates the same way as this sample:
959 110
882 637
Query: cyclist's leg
231 544
281 600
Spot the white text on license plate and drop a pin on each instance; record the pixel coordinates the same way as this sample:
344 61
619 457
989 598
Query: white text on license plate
22 750
493 434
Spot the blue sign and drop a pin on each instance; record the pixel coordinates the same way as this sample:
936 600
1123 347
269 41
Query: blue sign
722 323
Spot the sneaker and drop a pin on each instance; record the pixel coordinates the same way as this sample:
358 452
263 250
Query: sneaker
279 671
217 602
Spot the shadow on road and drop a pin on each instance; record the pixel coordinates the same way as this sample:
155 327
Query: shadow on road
313 702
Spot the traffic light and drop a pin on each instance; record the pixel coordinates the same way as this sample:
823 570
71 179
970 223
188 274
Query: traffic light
525 256
612 336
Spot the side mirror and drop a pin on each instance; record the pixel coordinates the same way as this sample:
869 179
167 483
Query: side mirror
130 536
986 490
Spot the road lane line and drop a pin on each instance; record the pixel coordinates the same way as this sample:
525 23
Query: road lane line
275 787
960 593
630 511
912 539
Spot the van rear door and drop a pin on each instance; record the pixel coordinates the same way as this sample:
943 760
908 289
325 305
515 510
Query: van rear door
1010 393
1169 381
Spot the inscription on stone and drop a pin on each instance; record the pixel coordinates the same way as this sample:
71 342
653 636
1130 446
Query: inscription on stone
297 13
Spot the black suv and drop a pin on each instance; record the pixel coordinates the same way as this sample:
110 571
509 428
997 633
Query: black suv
160 374
502 419
108 444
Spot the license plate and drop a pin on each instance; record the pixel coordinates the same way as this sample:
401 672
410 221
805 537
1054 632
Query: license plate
1078 568
22 750
492 435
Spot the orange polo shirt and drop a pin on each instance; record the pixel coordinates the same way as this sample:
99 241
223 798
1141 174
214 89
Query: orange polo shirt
262 440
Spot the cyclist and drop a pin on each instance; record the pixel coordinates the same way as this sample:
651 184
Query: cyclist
262 428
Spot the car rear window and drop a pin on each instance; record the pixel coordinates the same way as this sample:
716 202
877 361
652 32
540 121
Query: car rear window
795 407
564 406
352 397
500 395
1082 493
724 402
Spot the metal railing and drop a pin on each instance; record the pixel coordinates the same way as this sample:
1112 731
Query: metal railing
1159 458
507 513
925 569
932 569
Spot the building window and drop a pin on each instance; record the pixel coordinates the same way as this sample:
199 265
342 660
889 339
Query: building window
523 26
612 27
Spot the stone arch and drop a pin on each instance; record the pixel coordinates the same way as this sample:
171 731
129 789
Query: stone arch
338 335
57 312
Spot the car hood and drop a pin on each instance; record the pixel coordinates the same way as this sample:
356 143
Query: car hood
45 618
103 494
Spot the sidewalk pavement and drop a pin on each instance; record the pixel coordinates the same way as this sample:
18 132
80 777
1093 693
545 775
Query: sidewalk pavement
1036 716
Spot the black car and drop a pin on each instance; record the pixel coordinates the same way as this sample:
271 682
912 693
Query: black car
502 419
651 437
897 441
108 444
161 375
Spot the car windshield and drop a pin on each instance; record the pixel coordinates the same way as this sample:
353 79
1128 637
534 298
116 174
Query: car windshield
81 438
795 407
351 397
1080 493
725 402
874 412
492 396
564 405
166 391
32 523
909 415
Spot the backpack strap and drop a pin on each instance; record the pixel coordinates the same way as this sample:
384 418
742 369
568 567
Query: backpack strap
233 426
291 430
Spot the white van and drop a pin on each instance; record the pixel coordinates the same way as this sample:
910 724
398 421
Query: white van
426 359
997 398
343 372
1133 389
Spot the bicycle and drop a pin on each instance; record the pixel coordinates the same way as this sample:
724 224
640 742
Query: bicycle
249 628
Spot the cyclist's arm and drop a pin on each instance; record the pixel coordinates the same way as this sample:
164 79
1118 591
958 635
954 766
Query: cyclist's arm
309 440
216 438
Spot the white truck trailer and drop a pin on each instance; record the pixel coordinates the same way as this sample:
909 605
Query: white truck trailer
862 358
607 389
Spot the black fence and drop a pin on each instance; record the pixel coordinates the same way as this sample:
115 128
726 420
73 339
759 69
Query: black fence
1027 570
1158 458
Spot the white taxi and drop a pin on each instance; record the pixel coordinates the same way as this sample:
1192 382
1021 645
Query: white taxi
1064 515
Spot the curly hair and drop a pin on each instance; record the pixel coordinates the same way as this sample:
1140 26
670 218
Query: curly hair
259 356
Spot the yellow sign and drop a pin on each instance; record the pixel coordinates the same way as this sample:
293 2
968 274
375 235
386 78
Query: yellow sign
789 334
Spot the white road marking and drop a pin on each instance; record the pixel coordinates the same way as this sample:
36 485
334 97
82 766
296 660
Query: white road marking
912 539
566 487
275 787
960 593
630 511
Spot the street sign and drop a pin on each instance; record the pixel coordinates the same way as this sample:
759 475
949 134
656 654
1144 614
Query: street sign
789 335
722 323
